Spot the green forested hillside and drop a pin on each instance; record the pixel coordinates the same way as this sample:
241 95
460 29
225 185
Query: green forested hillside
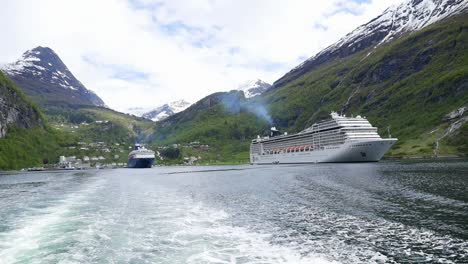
23 148
28 140
221 120
409 85
102 124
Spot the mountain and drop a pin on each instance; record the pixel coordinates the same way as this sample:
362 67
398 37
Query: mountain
138 111
42 75
254 88
46 80
393 23
166 110
409 74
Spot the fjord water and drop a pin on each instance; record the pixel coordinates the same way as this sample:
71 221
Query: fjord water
383 212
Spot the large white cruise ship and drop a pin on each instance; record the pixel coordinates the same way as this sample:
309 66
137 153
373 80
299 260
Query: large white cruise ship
341 139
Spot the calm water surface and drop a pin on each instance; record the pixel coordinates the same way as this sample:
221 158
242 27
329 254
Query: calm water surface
326 213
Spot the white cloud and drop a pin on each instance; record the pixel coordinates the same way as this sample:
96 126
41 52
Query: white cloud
177 49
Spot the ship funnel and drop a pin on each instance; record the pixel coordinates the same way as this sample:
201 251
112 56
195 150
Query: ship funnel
274 132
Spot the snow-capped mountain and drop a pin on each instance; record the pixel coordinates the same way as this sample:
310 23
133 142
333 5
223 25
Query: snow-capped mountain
138 111
42 75
393 23
166 110
253 88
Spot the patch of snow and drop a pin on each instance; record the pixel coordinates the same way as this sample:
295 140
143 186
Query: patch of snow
24 64
178 106
137 111
16 67
67 86
39 67
253 88
160 116
161 112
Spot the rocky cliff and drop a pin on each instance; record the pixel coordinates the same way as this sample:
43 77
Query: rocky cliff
15 108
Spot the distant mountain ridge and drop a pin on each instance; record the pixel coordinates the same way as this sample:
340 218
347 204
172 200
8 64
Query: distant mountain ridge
161 112
137 111
395 21
253 88
42 75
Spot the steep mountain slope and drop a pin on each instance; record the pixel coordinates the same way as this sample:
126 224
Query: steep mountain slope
409 82
166 110
43 76
25 139
410 16
254 88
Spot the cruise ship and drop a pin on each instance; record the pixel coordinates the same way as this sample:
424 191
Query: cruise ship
140 157
340 139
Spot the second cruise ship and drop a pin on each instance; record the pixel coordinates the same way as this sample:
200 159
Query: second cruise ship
140 157
341 139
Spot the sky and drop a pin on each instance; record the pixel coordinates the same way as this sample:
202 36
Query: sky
144 53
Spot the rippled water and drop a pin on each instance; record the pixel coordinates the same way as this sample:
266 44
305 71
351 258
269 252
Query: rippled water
323 213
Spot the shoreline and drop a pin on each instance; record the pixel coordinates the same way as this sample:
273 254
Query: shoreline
423 157
384 159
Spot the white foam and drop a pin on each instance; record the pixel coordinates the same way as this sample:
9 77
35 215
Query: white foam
22 243
209 239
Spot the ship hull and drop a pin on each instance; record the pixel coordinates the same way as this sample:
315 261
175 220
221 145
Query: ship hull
140 162
362 151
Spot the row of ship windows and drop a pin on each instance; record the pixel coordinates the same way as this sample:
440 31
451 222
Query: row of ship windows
309 142
316 138
343 123
321 139
360 145
284 147
306 149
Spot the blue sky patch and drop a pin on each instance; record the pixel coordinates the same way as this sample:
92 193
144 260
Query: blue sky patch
121 72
